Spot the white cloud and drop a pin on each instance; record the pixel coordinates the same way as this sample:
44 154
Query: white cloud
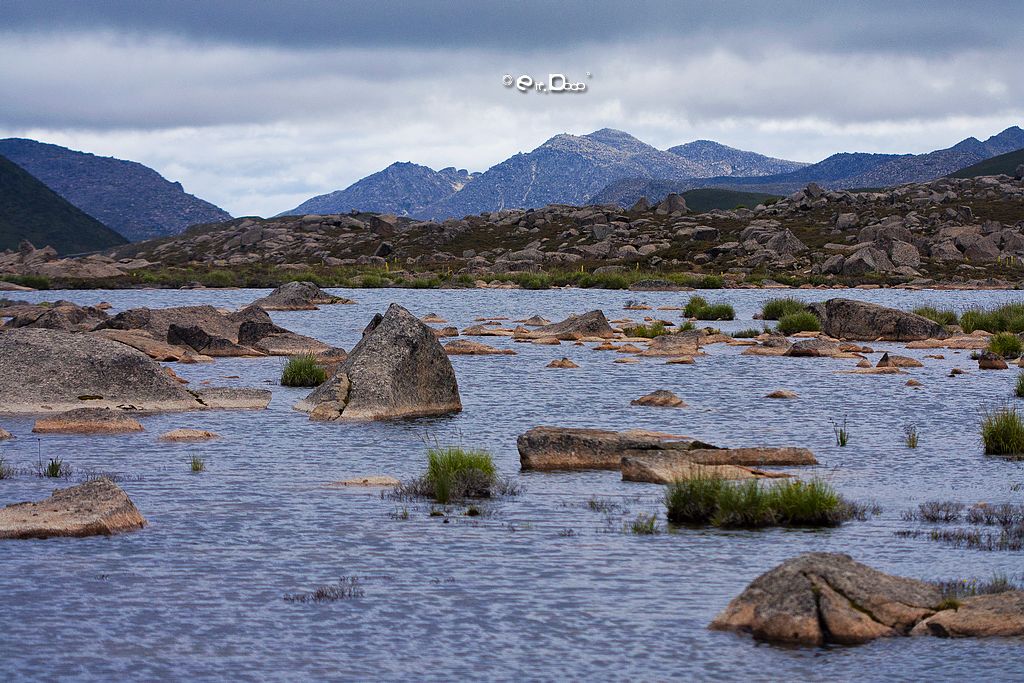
259 129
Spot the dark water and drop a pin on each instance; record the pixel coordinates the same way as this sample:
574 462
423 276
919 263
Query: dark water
199 594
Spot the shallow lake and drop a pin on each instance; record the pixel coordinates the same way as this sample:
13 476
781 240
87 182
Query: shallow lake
511 594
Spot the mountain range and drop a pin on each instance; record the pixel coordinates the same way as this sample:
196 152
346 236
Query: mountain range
30 210
610 166
131 199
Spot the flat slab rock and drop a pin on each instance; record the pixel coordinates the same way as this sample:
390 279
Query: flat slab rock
664 467
88 421
819 598
189 435
237 398
95 508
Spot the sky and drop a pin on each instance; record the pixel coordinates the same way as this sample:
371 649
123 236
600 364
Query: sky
257 106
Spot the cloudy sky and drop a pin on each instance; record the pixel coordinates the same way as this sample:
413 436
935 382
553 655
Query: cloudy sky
257 106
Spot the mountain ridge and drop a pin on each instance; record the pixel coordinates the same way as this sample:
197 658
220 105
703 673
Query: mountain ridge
126 196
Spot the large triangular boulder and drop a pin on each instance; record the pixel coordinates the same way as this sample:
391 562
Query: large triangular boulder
398 369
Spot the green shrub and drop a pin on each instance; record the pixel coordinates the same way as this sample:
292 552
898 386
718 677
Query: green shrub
1006 344
801 321
753 504
655 329
774 309
303 371
698 307
941 316
455 473
1002 432
1020 385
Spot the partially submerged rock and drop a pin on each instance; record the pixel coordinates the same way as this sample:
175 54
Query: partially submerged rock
298 296
816 348
991 361
586 326
5 435
60 315
570 448
200 341
817 598
95 508
662 398
154 348
189 435
782 393
375 481
659 470
999 614
398 369
862 321
87 421
465 347
675 344
562 363
157 321
46 371
893 361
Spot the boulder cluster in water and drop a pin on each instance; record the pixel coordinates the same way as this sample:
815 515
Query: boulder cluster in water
89 372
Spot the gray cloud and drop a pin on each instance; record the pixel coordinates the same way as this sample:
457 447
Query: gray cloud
257 106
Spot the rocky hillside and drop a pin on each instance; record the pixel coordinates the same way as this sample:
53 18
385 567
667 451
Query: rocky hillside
126 196
947 228
29 210
402 188
716 159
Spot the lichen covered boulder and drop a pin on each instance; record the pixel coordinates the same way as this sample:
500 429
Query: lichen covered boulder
298 296
862 321
820 598
46 371
398 369
586 326
95 508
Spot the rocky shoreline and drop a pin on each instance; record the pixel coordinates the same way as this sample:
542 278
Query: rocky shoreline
947 233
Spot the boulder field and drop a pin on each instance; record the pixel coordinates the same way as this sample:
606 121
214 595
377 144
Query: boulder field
398 369
819 598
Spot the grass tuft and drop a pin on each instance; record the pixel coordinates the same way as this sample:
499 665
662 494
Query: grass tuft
1002 432
842 434
801 321
776 309
751 504
941 316
910 436
303 371
1005 318
6 471
644 525
1006 345
699 308
197 464
655 329
1019 390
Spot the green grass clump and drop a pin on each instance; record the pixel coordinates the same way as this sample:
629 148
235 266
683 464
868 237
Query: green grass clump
841 433
6 471
748 333
644 525
1005 318
696 281
1002 432
455 473
801 321
655 329
303 371
910 436
33 281
197 464
699 308
1006 344
55 469
775 309
941 316
1019 391
751 504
